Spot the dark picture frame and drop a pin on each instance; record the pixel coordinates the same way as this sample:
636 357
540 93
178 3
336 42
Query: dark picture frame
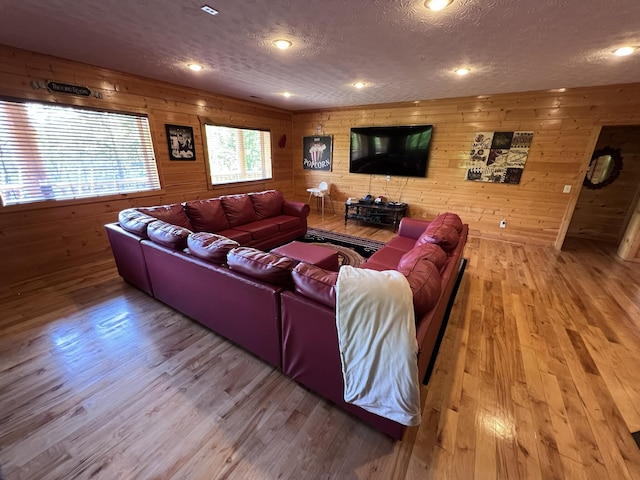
316 152
180 142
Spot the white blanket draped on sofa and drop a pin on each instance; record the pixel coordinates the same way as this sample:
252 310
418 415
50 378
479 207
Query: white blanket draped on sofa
377 341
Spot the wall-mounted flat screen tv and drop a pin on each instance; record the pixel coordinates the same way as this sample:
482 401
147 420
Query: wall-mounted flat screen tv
395 150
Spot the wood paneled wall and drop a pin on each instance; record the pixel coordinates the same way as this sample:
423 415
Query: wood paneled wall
565 126
603 214
45 238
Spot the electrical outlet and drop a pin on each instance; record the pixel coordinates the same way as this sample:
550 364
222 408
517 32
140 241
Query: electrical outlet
503 224
388 178
566 189
424 214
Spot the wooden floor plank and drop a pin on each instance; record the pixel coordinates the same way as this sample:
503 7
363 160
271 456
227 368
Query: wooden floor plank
538 377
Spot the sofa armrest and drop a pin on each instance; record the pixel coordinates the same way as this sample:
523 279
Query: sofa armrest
411 228
295 209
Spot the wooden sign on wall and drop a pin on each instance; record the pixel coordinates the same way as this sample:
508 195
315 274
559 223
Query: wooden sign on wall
498 157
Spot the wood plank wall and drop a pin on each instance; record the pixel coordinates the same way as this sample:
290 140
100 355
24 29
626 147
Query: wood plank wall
44 238
565 126
603 214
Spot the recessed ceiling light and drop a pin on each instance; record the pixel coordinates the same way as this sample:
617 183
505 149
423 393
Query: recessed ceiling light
359 84
463 71
195 67
624 51
282 44
286 94
209 10
437 5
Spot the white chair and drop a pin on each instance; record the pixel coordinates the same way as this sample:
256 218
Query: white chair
320 192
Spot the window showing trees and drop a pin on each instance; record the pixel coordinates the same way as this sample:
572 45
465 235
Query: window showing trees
53 152
238 154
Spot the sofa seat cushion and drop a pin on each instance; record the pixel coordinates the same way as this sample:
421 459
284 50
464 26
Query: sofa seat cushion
315 283
267 204
286 222
134 221
207 215
173 213
261 229
425 282
429 251
268 267
240 236
168 234
388 256
444 235
238 209
401 243
210 247
450 219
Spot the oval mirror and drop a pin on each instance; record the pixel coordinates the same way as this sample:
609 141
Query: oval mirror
604 168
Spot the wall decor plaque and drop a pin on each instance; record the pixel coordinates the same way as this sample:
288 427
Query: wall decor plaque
498 157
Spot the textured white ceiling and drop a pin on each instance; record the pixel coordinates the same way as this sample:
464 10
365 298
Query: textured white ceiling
400 49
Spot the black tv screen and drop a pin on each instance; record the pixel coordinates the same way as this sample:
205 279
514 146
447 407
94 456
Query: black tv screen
396 150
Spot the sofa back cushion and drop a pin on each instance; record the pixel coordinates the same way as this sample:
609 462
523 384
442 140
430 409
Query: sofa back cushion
425 282
267 204
430 251
268 267
450 219
135 221
238 209
207 215
168 234
315 283
444 235
210 247
173 213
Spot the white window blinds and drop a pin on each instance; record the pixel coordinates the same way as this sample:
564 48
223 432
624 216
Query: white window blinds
53 152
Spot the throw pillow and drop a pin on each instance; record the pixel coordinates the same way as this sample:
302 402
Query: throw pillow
168 234
210 247
173 213
429 251
315 283
238 209
268 267
267 204
450 219
425 282
207 215
444 235
134 221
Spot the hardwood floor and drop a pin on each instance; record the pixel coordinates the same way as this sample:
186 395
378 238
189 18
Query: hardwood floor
538 376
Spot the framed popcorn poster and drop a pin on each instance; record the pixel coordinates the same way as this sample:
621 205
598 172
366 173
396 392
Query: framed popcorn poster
316 152
498 157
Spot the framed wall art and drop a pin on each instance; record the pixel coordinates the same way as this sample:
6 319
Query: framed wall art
316 152
180 140
498 157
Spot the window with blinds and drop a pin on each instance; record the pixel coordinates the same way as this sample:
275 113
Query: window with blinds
53 152
238 154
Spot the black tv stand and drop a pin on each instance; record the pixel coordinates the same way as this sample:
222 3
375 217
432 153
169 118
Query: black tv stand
383 214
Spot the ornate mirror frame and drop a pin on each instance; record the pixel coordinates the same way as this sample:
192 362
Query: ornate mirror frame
616 158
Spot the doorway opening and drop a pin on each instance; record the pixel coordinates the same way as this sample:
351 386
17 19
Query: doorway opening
605 213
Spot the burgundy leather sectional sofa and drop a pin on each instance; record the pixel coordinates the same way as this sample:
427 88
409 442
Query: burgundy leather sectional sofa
430 256
280 310
149 246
